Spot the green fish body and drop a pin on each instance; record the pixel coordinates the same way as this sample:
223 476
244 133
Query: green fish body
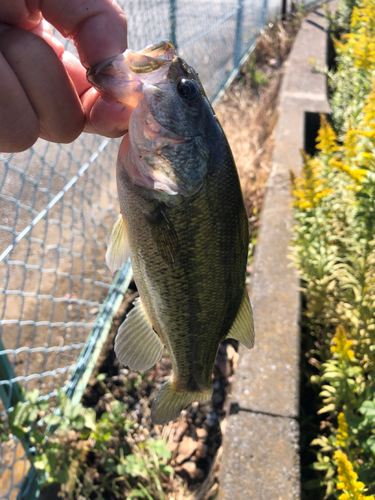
184 225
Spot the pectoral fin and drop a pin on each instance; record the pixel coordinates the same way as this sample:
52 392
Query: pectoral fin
243 326
118 250
136 344
164 235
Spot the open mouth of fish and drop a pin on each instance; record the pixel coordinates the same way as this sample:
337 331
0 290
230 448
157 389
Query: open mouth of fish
135 78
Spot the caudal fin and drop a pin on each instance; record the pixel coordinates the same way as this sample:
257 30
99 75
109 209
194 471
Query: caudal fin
169 403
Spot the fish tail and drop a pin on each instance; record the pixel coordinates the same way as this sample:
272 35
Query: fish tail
168 402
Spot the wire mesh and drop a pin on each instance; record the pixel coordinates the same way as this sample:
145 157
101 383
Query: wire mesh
58 203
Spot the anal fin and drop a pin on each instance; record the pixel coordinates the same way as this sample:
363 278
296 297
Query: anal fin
137 345
169 403
243 325
118 251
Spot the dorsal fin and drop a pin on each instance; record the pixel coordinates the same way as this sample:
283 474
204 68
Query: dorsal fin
137 345
118 251
243 325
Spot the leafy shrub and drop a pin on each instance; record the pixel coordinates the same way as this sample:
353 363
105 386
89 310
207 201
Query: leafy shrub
334 250
352 81
83 446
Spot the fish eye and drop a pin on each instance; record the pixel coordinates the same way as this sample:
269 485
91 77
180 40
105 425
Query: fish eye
187 89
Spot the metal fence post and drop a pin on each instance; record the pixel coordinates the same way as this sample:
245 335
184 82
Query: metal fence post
30 489
238 36
283 9
172 20
11 394
263 18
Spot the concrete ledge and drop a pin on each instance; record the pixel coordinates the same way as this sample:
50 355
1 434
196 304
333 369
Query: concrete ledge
268 469
260 458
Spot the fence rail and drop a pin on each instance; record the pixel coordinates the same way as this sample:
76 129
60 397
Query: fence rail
57 205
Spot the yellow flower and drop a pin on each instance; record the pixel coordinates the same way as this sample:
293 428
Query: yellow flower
341 345
357 174
367 129
348 479
309 189
365 133
326 140
355 17
364 52
350 146
342 435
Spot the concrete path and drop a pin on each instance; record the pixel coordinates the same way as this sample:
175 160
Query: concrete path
261 455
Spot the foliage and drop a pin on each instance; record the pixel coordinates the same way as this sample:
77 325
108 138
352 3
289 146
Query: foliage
334 250
353 79
83 444
340 21
257 77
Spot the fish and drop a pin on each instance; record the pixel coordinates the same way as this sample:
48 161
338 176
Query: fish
182 222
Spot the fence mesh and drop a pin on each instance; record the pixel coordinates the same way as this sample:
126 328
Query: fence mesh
57 205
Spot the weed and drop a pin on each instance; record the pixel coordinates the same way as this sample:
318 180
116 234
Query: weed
257 78
129 467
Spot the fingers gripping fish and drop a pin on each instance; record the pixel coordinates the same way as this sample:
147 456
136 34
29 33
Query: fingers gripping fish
182 223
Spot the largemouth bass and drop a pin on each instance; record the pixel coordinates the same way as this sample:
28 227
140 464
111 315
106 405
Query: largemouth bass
183 224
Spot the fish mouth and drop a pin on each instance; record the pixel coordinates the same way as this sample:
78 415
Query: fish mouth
112 77
122 76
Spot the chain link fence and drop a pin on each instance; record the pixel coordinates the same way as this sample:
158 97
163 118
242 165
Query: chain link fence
57 205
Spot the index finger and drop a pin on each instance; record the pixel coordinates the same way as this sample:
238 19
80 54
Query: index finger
97 27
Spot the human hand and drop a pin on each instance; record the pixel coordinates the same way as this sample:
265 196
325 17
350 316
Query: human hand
43 89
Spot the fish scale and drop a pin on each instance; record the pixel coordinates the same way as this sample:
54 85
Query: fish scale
209 275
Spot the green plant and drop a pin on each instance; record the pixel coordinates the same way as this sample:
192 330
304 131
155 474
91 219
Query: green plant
341 19
352 82
257 78
334 250
90 456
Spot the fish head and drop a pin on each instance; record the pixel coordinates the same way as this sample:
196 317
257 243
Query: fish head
167 148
